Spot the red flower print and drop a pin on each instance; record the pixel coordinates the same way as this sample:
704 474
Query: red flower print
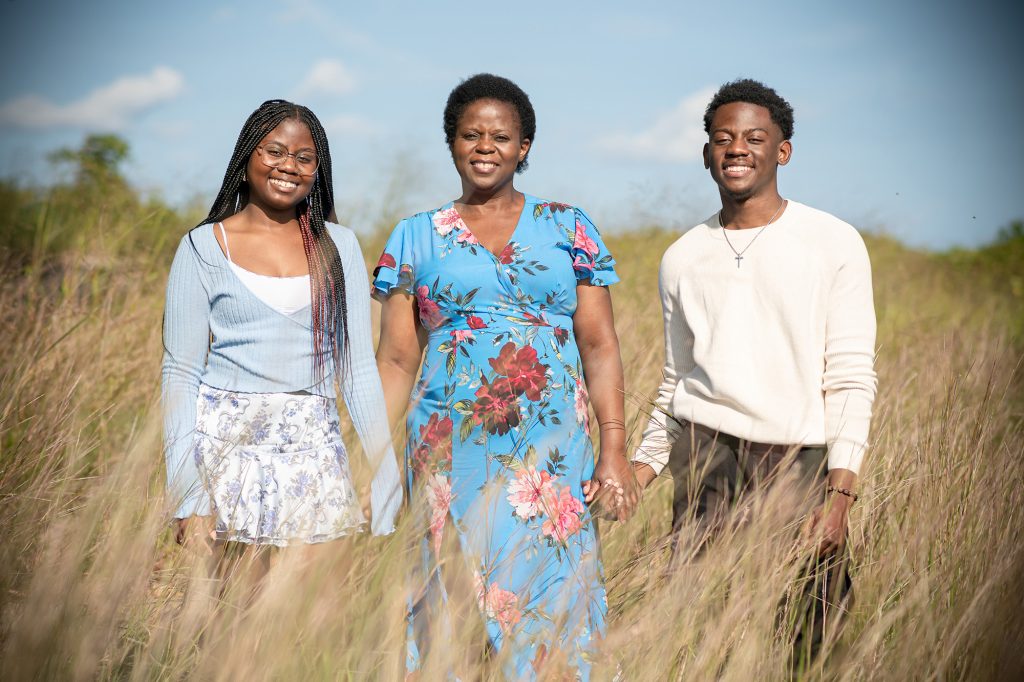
561 335
496 408
434 452
534 320
525 373
555 207
430 312
507 254
475 322
582 241
564 515
386 261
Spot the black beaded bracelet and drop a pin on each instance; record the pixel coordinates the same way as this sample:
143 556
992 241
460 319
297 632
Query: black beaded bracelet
843 491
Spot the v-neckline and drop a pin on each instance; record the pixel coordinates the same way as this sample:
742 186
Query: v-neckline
511 236
293 316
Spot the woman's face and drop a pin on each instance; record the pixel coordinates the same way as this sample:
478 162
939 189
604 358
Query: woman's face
488 145
281 187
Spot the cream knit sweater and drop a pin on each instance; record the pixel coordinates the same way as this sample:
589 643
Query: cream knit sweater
779 349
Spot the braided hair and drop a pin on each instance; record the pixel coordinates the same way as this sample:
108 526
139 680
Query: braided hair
326 275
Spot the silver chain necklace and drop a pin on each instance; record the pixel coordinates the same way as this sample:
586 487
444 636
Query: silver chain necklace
739 254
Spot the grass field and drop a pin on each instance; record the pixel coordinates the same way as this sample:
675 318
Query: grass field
92 586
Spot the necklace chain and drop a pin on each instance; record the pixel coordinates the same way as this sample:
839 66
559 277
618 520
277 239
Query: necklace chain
739 254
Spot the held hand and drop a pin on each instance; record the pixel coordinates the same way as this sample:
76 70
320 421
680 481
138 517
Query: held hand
644 474
195 532
613 487
827 524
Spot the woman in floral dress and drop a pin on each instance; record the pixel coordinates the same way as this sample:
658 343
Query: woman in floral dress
508 296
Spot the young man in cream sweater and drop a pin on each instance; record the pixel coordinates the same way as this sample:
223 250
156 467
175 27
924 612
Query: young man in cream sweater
769 333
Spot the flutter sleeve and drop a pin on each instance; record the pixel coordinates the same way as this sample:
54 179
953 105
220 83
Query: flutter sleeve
363 394
590 257
186 343
395 268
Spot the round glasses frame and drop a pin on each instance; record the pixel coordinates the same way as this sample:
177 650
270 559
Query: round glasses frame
274 162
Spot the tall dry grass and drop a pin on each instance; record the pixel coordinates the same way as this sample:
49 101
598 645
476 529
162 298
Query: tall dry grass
92 586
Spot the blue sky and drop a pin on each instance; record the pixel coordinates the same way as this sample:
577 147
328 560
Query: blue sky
907 113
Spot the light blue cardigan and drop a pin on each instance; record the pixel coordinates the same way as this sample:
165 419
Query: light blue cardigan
219 333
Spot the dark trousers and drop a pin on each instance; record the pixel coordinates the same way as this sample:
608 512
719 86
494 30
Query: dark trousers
714 475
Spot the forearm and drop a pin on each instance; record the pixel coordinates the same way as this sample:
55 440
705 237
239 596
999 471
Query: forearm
602 371
397 380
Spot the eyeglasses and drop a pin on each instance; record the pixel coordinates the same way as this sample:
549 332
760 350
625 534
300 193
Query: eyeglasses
274 155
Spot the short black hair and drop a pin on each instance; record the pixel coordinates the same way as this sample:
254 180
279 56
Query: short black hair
489 86
752 92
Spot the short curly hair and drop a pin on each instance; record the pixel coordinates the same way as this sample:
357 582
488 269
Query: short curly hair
489 86
752 92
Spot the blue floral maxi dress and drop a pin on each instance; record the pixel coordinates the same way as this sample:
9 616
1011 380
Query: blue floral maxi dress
498 433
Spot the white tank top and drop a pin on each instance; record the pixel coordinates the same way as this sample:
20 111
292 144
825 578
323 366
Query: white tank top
284 294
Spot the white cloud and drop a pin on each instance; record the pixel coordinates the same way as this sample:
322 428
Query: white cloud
328 76
109 107
675 135
346 124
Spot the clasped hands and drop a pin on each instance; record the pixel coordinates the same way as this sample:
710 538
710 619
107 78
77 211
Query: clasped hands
612 492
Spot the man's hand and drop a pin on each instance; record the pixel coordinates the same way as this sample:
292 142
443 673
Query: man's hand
644 474
828 523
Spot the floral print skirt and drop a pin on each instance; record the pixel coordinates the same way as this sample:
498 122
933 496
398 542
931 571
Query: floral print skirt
275 467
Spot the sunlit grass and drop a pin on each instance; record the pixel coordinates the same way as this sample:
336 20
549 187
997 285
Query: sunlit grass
93 587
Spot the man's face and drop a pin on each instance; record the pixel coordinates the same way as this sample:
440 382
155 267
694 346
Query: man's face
744 150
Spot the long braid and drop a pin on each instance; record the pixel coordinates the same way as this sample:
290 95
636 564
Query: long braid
326 274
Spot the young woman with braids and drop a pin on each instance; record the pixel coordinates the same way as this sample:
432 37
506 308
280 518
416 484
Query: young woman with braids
267 306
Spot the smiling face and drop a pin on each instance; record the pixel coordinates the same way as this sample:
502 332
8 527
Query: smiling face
488 145
281 189
744 151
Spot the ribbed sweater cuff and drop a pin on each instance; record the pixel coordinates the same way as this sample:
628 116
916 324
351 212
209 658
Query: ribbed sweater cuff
385 496
844 454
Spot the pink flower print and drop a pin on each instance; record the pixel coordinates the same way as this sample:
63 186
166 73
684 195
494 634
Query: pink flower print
439 498
583 241
580 263
460 335
500 605
466 237
430 312
582 409
503 606
564 515
447 220
527 490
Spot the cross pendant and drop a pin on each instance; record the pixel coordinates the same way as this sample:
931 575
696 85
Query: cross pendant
738 259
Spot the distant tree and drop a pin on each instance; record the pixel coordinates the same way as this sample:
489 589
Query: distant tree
1014 232
97 161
